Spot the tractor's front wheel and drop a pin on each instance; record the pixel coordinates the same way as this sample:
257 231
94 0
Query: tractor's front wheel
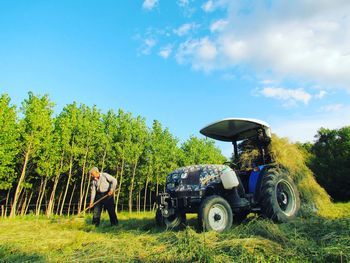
279 196
174 221
159 218
215 213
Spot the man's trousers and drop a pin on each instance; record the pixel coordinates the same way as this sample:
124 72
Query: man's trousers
108 204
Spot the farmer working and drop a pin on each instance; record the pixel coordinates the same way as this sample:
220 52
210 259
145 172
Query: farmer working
103 184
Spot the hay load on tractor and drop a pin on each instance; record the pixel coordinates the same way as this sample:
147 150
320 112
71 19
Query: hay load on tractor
226 192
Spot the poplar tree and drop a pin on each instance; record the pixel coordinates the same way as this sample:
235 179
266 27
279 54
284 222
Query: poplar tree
9 143
67 129
136 148
33 127
200 151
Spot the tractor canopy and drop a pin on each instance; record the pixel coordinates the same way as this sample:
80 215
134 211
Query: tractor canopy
236 129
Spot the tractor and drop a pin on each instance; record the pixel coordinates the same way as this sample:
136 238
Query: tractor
222 194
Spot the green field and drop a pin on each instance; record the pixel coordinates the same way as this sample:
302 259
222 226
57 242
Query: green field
312 239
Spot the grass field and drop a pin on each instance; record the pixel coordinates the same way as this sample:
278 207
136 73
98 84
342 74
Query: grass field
312 239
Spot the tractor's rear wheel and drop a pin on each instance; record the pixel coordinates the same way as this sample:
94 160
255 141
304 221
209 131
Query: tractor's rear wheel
279 196
215 213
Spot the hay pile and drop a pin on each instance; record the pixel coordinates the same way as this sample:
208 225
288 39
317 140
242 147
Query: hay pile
313 196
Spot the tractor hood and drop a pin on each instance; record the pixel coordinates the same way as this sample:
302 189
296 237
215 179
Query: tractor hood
235 129
196 177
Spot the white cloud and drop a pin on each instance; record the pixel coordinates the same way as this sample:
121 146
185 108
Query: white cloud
321 94
183 3
211 5
218 25
333 108
301 39
147 45
208 6
149 4
199 52
185 29
165 52
291 96
187 9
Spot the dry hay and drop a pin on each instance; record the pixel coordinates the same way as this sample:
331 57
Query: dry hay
291 157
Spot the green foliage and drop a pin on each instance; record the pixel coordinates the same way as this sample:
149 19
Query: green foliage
330 161
36 124
9 143
200 151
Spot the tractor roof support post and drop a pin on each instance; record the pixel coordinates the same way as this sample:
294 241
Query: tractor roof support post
235 149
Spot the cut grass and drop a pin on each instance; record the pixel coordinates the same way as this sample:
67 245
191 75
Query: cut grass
313 239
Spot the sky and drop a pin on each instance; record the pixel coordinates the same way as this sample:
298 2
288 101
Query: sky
186 63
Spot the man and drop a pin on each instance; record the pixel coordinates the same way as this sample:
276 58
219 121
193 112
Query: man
103 184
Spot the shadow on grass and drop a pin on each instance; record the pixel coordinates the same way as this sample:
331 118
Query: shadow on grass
137 225
12 255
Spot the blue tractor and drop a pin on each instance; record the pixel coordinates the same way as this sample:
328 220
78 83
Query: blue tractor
224 193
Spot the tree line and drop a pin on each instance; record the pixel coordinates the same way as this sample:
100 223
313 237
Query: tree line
45 157
329 159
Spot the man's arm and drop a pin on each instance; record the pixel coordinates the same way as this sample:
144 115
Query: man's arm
93 193
112 182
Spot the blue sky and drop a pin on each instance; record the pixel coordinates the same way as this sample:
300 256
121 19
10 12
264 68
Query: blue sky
186 63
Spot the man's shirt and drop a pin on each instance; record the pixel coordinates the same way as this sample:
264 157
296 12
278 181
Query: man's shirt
104 183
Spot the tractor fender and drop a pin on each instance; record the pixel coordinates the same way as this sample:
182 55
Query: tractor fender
255 179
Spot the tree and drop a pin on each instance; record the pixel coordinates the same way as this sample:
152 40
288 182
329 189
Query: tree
136 148
66 125
330 161
8 142
200 151
121 142
34 127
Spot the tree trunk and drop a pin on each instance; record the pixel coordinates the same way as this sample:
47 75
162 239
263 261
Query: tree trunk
38 197
42 196
58 203
30 199
150 199
81 197
70 199
103 159
53 192
120 183
139 203
87 192
145 195
20 181
24 205
20 202
132 186
68 181
7 201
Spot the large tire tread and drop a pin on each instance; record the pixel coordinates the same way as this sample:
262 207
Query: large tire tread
269 205
204 210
